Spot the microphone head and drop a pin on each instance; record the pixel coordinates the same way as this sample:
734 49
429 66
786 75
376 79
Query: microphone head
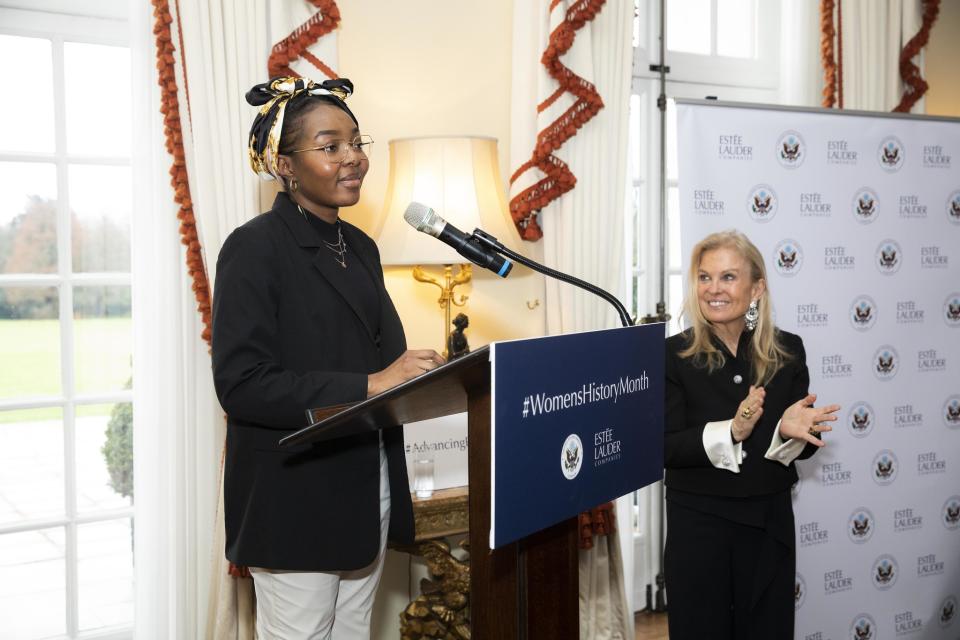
423 218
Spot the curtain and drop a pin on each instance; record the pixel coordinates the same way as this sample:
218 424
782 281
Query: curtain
874 32
176 415
801 73
582 232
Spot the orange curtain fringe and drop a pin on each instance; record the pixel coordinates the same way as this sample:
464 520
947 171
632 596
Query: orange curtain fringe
915 85
295 45
558 178
170 108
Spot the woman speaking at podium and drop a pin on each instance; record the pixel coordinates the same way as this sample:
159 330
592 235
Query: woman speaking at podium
301 319
738 413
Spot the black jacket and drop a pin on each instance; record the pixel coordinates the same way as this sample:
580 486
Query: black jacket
694 397
288 336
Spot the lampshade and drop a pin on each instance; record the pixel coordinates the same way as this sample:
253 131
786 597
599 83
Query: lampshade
459 178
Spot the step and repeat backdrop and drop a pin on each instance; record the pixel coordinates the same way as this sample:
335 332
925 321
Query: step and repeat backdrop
858 218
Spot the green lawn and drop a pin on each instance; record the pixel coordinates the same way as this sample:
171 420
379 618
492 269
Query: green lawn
30 362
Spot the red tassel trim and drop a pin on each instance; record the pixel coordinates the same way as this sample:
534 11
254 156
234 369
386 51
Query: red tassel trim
916 86
170 108
599 521
827 57
295 45
558 179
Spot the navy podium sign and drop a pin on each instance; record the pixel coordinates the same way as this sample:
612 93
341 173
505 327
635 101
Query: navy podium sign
577 420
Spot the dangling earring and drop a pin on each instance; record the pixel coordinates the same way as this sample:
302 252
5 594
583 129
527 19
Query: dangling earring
294 185
752 315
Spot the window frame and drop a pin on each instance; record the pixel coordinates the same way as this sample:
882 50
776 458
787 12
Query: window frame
60 22
760 72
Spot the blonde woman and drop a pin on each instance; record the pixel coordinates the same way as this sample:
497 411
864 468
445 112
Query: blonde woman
738 414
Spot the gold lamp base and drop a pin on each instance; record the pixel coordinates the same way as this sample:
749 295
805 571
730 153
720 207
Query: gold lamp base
447 298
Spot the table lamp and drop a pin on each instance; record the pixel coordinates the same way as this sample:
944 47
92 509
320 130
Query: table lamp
459 178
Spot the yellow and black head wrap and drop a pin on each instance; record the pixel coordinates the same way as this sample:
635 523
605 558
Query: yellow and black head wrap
273 98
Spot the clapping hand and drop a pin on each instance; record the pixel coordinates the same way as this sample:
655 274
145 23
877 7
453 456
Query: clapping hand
748 412
804 421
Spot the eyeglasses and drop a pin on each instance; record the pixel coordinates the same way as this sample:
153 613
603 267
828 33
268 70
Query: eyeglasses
337 150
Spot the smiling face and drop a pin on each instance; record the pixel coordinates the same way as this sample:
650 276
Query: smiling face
725 288
325 186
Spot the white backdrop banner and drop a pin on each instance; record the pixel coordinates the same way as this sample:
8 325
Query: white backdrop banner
858 218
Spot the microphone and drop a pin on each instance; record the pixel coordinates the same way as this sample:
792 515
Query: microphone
423 218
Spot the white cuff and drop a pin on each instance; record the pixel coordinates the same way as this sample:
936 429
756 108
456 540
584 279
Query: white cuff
784 451
720 448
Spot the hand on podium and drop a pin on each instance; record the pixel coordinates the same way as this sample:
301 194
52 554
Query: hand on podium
410 364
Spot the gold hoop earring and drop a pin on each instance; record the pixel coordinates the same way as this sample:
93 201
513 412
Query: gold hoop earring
294 185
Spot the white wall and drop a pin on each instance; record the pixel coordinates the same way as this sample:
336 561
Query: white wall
430 67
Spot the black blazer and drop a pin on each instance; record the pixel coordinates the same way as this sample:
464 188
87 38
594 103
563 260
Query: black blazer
289 336
694 397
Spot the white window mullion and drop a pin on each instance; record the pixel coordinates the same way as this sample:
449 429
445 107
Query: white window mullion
49 523
64 267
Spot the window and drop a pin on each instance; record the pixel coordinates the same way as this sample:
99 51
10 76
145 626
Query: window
721 48
66 503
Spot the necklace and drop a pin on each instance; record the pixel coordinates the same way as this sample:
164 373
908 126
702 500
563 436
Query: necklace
339 248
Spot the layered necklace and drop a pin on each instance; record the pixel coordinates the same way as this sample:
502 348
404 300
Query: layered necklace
339 248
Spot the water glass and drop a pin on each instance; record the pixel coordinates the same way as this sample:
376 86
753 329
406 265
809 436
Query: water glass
423 477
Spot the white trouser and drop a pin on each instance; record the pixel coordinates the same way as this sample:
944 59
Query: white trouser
312 605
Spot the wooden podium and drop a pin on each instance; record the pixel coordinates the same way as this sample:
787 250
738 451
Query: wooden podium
527 589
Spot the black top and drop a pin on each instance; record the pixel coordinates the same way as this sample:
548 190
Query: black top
290 334
694 397
354 275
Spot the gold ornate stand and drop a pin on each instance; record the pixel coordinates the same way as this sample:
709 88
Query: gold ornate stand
442 610
447 298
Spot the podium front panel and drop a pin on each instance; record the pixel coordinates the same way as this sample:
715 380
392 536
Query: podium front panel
576 420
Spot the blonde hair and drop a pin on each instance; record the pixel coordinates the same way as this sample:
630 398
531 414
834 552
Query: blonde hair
768 354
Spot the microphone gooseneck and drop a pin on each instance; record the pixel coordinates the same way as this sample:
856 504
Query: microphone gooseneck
489 241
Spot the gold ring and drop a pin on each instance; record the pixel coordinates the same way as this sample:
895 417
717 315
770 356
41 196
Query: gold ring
746 413
813 432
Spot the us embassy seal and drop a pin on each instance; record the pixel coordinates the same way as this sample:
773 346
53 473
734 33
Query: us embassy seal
788 257
860 525
863 627
951 310
953 207
762 203
889 257
884 572
571 456
860 419
886 362
866 205
951 412
885 467
890 154
863 313
791 149
950 516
